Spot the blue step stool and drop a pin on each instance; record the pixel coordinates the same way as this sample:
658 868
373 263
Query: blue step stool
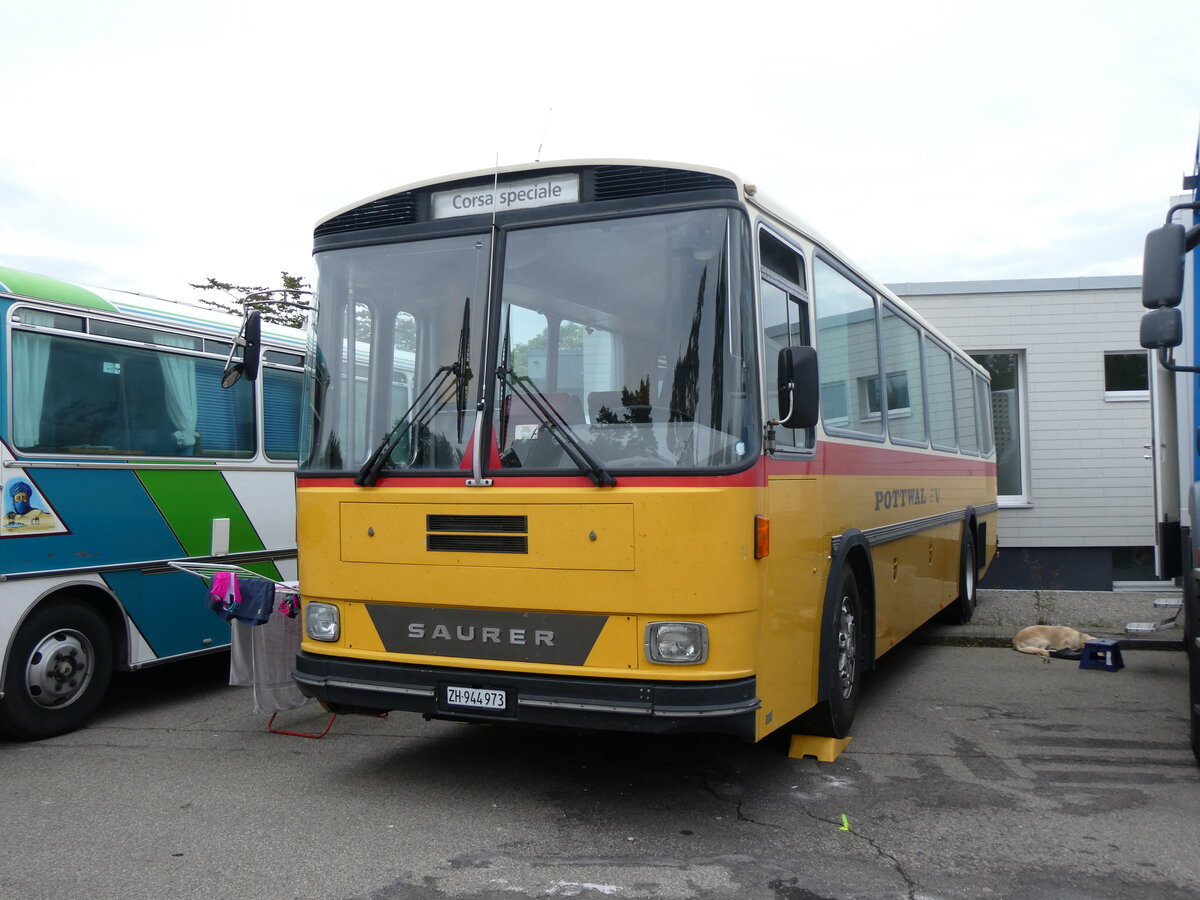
1102 654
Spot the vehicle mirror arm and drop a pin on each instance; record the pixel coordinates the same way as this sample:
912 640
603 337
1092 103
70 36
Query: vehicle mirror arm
769 436
1178 206
1167 360
791 389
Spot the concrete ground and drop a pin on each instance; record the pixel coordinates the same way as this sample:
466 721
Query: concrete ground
1001 614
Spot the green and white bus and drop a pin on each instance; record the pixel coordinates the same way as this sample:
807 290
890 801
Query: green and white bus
119 453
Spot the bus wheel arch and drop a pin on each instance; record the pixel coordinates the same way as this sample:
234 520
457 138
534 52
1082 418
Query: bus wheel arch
60 664
847 626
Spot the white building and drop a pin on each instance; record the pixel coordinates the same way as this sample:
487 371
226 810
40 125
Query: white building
1072 409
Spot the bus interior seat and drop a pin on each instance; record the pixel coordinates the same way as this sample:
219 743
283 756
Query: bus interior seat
529 444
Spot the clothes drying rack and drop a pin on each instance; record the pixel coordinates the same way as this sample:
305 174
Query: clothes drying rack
206 571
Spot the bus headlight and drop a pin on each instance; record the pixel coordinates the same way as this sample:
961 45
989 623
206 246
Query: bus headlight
680 643
322 621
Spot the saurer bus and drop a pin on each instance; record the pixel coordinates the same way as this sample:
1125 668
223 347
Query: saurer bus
120 452
670 462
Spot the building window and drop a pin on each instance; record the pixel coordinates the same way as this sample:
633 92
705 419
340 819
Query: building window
1126 376
1007 420
1133 564
897 394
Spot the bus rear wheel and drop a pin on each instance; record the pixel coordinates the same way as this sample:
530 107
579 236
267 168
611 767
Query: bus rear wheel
59 669
961 610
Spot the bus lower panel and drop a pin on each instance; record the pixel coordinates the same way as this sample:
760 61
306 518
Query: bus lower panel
609 704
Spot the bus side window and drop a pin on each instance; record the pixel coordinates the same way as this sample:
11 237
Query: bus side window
941 397
784 323
847 339
905 387
224 416
281 412
964 404
983 404
80 406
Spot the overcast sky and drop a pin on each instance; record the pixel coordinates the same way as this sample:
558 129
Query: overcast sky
150 144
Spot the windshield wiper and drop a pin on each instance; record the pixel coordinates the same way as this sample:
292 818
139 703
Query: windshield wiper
429 402
527 392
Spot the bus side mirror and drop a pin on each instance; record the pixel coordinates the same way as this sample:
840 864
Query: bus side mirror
1162 328
249 338
799 387
1162 267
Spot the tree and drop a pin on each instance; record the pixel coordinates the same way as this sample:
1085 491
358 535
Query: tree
283 305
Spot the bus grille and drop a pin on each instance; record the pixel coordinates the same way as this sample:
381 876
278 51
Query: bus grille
477 534
397 209
619 182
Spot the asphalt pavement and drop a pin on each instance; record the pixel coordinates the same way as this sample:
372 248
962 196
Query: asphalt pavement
974 772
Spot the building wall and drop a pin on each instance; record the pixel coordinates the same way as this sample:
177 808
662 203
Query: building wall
1089 484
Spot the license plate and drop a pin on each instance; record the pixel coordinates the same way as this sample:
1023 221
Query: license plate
475 698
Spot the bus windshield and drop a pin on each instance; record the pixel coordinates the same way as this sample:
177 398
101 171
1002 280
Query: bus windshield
614 344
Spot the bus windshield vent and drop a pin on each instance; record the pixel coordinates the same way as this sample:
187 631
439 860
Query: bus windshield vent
398 209
477 534
477 543
504 524
620 182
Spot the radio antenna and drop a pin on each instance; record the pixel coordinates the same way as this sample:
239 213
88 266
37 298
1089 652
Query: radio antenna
545 128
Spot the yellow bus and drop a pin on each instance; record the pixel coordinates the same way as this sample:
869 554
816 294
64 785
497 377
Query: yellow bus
669 461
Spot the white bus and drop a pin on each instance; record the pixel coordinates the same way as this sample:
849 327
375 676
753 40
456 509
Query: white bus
120 452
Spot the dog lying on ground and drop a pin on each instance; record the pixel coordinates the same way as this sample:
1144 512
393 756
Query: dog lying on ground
1048 640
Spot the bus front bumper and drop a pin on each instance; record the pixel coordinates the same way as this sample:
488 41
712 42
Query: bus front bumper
473 695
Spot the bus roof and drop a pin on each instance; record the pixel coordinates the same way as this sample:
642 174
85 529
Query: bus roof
19 285
500 171
748 192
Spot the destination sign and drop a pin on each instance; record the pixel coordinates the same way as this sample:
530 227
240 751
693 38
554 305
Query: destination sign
547 191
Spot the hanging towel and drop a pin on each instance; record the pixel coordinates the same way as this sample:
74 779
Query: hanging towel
262 658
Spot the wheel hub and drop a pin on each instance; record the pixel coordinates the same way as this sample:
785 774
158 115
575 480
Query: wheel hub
59 669
847 648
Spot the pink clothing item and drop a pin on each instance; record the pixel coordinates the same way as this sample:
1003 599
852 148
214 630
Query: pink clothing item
226 595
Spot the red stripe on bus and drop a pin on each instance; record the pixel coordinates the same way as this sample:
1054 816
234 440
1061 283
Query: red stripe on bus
867 459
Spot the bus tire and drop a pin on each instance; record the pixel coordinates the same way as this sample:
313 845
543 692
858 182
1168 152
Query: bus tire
961 610
832 717
59 668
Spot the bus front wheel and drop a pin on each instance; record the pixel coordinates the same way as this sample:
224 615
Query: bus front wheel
843 665
59 667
